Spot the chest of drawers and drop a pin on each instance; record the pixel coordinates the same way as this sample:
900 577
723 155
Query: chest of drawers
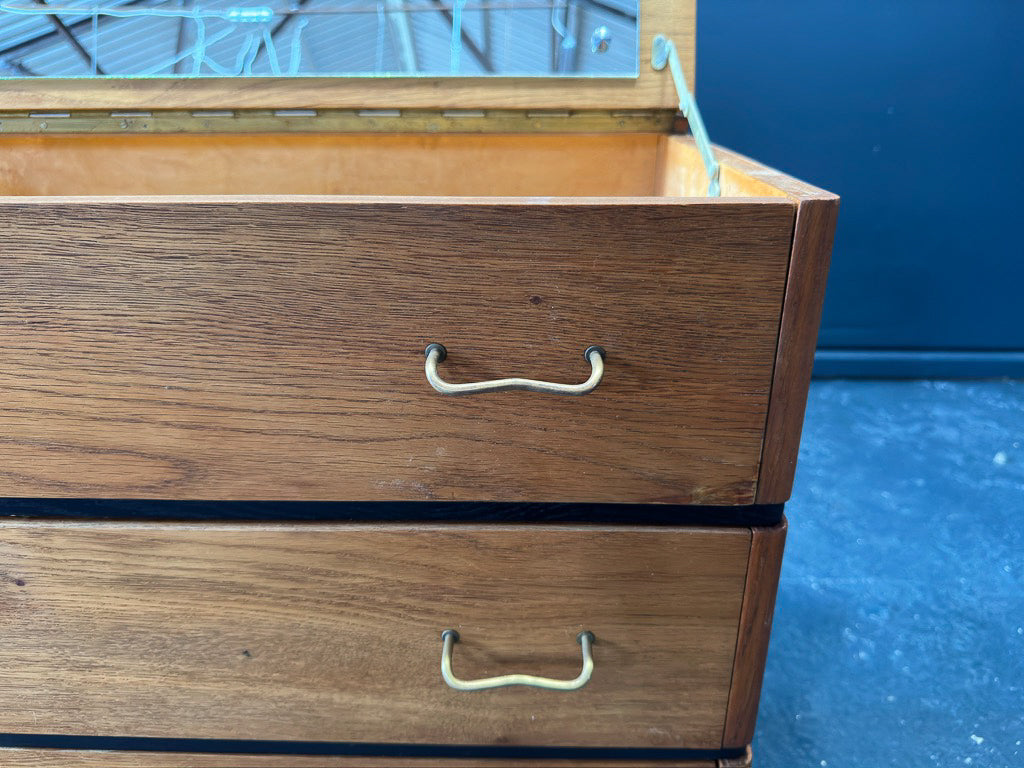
263 510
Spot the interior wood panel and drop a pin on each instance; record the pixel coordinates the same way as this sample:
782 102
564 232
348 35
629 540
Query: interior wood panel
272 348
680 173
577 165
339 164
332 632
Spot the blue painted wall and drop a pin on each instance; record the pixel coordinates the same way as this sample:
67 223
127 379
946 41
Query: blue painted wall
913 112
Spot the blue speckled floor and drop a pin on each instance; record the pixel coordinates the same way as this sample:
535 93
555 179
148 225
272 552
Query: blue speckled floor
899 628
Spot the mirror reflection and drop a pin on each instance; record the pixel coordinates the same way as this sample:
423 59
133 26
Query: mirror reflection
303 38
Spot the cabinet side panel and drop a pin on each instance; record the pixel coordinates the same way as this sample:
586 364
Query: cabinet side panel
755 629
801 316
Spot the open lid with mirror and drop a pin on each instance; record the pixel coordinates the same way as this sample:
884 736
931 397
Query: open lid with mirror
570 55
97 68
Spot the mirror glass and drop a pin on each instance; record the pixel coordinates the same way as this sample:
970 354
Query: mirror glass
312 38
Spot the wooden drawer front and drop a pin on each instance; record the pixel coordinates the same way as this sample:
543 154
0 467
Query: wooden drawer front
332 632
273 348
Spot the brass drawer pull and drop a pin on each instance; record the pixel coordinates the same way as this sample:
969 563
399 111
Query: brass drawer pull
449 637
436 353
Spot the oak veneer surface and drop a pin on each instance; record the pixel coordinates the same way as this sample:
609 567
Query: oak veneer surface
332 633
272 348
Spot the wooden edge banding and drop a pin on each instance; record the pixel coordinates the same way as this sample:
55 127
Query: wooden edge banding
798 335
755 628
790 186
398 201
51 758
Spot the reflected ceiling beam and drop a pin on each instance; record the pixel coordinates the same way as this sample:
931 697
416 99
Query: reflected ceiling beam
610 9
488 29
16 67
179 44
472 47
401 32
566 39
288 16
69 37
47 37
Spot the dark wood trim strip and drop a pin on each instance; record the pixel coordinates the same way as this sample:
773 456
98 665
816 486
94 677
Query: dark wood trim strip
60 758
755 628
406 751
391 511
798 334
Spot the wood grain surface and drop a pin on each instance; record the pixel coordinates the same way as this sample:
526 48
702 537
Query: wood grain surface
61 758
754 633
744 173
504 164
338 164
798 336
676 19
332 632
272 348
680 172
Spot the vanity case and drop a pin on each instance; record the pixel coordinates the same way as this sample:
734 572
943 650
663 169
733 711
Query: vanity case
271 497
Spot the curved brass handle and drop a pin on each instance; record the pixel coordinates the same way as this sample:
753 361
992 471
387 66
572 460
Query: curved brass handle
449 637
436 353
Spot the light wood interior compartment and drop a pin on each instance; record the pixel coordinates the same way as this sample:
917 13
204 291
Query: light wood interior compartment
504 165
680 172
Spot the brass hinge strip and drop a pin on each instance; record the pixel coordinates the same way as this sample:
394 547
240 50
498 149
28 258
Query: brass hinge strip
336 121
